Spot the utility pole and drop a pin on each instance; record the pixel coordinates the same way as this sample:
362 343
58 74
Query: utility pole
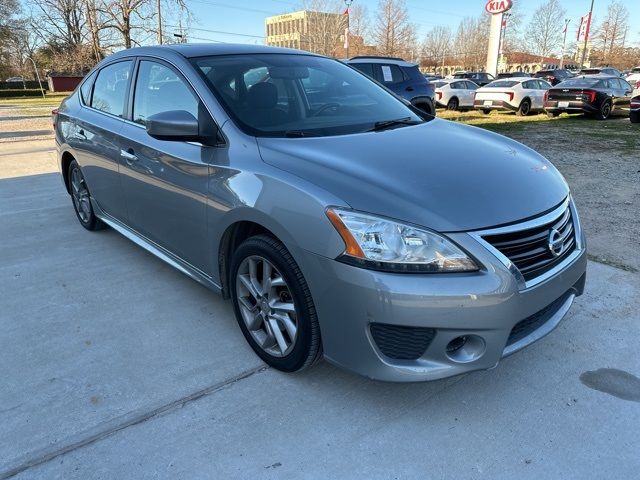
159 22
37 76
564 41
346 32
586 35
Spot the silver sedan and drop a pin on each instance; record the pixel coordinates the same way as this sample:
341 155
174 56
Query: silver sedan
340 222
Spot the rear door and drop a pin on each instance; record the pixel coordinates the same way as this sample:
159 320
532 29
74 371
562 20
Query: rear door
95 135
469 93
165 182
391 76
623 94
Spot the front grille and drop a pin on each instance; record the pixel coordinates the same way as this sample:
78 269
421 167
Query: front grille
402 343
530 251
535 321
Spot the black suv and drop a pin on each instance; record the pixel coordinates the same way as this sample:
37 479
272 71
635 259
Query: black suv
401 77
479 78
554 77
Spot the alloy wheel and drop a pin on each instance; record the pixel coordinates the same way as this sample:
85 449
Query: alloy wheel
267 306
80 195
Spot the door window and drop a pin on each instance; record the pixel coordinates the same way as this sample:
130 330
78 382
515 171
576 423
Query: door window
85 89
365 68
110 89
391 74
471 86
160 89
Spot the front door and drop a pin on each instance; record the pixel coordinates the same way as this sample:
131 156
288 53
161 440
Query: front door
165 182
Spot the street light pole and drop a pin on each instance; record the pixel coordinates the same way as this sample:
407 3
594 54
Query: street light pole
586 36
346 32
564 41
37 75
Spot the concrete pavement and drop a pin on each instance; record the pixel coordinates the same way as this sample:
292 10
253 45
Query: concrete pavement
113 365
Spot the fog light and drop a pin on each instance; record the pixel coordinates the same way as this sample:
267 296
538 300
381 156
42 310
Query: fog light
456 344
465 348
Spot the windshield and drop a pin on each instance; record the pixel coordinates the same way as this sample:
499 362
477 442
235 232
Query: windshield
289 95
579 82
503 83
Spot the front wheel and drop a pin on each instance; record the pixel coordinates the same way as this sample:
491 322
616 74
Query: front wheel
82 199
273 305
452 104
605 110
524 109
634 117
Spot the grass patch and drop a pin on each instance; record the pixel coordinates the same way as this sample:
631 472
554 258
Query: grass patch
50 100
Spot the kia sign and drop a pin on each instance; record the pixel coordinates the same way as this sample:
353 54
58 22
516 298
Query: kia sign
497 6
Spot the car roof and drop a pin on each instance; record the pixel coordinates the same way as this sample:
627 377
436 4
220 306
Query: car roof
191 50
385 60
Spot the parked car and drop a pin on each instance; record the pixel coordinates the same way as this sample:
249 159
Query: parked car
634 113
317 202
513 75
479 78
401 77
634 78
554 77
455 94
609 71
432 77
596 96
15 80
520 95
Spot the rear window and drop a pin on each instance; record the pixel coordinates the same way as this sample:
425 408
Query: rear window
503 83
579 83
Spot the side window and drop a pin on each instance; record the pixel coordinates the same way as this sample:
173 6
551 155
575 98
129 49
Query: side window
471 86
365 68
391 74
457 85
544 85
110 89
160 89
528 85
86 87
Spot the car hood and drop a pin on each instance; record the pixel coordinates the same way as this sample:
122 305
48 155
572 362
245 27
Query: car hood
439 174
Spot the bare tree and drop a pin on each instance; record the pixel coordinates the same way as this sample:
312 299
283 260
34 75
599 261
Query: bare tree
544 33
122 16
611 35
437 44
59 22
471 42
392 31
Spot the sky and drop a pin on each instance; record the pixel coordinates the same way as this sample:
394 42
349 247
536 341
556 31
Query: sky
244 20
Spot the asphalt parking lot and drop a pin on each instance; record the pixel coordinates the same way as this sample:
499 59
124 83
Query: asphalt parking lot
114 365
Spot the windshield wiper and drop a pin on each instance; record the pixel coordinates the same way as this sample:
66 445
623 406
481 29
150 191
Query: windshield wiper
299 134
385 124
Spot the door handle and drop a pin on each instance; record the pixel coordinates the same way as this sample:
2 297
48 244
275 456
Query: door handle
129 156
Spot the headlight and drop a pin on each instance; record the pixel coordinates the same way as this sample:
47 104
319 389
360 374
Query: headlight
382 244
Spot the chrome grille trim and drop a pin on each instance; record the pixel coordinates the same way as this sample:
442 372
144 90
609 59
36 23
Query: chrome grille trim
558 217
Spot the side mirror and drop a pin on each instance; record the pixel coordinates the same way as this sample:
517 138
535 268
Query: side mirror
178 125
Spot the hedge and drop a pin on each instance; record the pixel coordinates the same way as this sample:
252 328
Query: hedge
26 84
16 93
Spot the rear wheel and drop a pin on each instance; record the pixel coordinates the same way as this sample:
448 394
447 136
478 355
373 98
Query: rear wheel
634 117
82 199
552 114
486 111
605 110
273 305
525 108
453 104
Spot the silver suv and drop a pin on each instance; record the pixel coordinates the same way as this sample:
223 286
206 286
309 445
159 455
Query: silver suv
340 221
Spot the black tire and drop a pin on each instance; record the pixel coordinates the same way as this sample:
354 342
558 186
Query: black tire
82 202
605 110
426 108
453 104
307 346
486 111
634 117
524 109
552 114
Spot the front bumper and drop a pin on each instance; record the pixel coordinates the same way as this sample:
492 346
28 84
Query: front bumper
484 306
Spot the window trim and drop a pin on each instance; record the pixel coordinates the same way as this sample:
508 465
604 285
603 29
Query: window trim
125 106
153 58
